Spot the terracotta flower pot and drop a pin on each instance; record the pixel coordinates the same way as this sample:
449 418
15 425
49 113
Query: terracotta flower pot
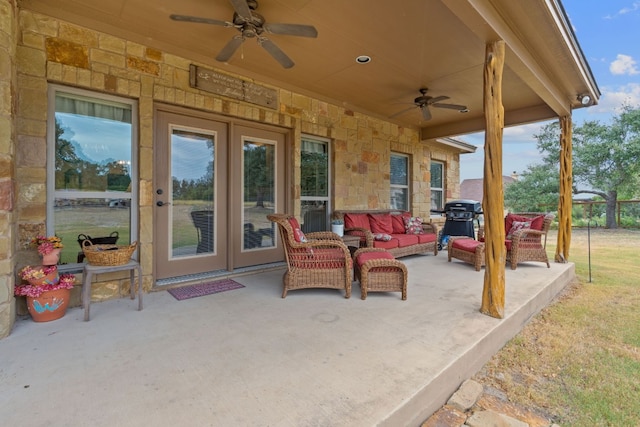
50 279
52 257
51 305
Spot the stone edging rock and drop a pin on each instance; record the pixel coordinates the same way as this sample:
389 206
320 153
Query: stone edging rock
474 406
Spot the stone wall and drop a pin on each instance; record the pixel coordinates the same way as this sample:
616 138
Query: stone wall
8 41
53 51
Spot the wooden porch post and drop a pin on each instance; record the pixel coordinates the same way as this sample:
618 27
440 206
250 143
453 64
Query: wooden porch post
566 190
493 198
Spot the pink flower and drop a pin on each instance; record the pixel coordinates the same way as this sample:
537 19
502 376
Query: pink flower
46 244
64 281
45 248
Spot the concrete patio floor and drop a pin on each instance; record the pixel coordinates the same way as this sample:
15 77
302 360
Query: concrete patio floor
247 357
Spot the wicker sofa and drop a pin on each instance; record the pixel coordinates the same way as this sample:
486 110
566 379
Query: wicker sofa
387 229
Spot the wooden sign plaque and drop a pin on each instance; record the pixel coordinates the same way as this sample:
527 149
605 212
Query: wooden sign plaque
232 87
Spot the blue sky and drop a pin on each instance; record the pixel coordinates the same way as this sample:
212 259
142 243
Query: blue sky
609 35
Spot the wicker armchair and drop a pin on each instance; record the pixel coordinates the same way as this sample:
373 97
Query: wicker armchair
526 244
323 261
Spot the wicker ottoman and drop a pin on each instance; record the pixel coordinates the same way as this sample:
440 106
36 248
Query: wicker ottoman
378 271
468 250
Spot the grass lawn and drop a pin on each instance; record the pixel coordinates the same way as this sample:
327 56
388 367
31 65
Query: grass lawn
578 361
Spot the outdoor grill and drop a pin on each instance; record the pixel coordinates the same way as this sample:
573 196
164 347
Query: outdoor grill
460 215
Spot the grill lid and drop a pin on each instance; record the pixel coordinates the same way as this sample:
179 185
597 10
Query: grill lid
465 205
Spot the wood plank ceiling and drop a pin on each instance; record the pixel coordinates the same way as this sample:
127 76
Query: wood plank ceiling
438 44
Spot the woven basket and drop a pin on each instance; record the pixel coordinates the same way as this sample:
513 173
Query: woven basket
111 239
108 254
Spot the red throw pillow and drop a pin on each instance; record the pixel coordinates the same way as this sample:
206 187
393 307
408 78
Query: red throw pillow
536 223
353 220
381 223
397 222
298 235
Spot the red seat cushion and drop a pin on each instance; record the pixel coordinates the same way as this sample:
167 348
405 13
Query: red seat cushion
507 243
364 257
467 245
393 243
318 258
405 240
427 238
355 220
381 223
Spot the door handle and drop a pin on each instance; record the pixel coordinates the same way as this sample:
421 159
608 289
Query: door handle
161 203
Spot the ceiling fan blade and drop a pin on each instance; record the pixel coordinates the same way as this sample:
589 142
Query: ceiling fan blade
450 106
242 9
292 30
276 52
402 112
426 114
198 20
437 99
227 52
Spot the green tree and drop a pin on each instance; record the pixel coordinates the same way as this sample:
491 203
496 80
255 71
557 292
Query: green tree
538 185
606 161
258 173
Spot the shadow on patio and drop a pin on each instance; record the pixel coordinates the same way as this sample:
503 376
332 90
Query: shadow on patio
247 357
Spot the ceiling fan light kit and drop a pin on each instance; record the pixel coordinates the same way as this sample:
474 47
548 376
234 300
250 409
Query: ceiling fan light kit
251 25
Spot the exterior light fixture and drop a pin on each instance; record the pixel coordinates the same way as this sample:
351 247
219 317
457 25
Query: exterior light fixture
584 100
363 59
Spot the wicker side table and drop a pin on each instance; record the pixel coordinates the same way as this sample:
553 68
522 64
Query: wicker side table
378 271
90 270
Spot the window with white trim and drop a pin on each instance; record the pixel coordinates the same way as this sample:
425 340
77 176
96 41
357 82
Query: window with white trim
315 191
91 168
399 175
437 185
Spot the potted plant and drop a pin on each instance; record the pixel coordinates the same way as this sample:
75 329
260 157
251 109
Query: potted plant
49 248
46 291
337 226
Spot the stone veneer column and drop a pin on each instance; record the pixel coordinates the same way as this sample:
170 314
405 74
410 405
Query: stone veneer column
8 41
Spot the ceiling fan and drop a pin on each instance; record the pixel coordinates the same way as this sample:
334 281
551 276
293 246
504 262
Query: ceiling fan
253 25
425 101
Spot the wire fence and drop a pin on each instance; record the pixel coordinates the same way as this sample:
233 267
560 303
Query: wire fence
593 213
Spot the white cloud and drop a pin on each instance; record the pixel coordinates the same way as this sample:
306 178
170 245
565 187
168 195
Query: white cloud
625 10
523 133
634 6
624 64
613 99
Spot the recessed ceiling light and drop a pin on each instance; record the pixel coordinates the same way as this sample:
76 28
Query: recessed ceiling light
363 59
